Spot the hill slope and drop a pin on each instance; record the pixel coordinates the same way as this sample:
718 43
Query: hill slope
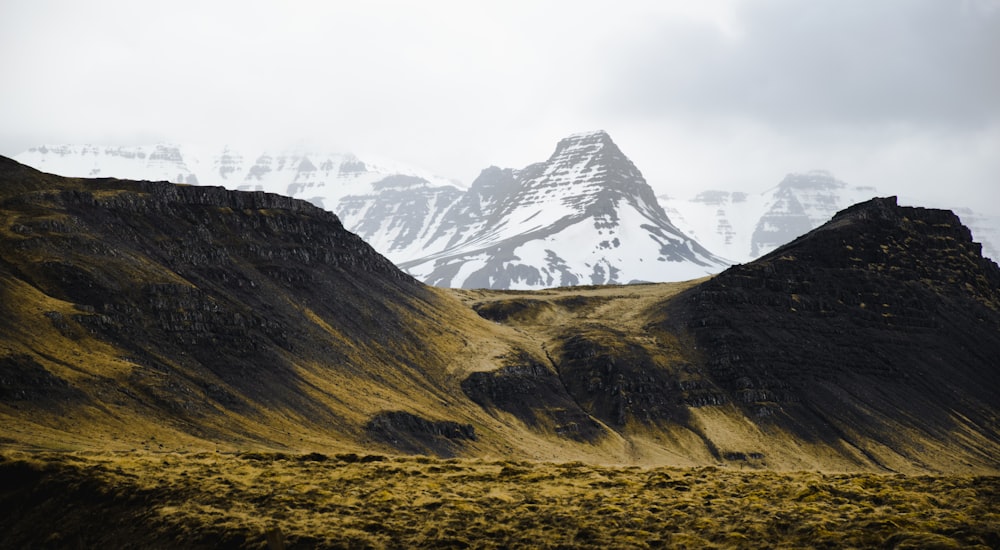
877 332
150 315
155 314
871 342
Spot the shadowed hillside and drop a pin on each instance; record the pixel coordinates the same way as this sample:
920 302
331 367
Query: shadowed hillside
189 366
139 315
877 334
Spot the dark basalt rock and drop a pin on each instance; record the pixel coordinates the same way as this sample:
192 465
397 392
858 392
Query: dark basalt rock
217 289
22 379
885 310
414 434
522 309
532 392
618 381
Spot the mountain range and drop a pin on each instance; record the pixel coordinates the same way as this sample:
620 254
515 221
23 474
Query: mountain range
743 226
151 315
584 216
509 229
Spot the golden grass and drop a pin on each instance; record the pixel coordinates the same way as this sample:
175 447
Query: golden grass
373 501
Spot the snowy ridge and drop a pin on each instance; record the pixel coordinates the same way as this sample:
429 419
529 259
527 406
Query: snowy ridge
585 216
742 226
394 207
321 178
154 162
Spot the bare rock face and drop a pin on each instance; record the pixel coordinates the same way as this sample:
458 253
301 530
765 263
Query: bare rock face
885 316
22 379
412 433
618 382
534 393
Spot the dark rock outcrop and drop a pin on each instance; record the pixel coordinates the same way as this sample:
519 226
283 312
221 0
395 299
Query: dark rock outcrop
620 382
534 393
23 379
411 433
885 318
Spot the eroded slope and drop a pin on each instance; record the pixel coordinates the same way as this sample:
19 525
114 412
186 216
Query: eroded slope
149 315
163 316
872 343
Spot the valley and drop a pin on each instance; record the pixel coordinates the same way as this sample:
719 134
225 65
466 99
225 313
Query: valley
193 366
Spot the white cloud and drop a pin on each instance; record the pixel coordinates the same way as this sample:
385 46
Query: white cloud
700 94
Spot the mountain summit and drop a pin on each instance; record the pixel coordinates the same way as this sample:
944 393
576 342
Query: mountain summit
875 334
584 216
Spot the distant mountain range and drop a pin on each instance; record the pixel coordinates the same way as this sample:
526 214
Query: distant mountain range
743 226
322 179
584 216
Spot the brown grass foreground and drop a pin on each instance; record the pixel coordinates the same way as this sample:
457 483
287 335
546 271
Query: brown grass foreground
259 500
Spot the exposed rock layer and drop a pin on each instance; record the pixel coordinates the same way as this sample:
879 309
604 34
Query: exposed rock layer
147 314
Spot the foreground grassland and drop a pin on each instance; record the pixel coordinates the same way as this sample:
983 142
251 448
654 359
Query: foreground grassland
349 501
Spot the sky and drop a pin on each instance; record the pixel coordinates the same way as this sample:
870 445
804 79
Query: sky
902 95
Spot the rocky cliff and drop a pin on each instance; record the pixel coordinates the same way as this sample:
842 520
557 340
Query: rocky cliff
882 325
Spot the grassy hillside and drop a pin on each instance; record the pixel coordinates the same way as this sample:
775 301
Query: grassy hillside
140 315
150 316
194 367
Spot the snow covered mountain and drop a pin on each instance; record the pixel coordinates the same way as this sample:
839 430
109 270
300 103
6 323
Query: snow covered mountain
742 226
584 216
323 179
389 205
155 163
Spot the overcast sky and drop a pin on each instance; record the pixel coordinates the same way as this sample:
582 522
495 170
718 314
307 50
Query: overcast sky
903 95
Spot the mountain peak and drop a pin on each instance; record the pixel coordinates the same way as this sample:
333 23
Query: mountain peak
816 180
593 135
884 208
585 143
586 215
902 243
883 308
589 162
